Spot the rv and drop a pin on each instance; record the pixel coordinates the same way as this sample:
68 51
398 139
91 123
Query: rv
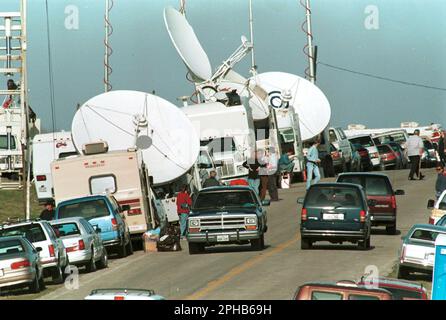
47 148
228 132
121 174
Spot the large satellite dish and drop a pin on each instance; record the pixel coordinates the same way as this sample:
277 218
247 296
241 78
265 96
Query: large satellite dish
287 90
169 143
186 43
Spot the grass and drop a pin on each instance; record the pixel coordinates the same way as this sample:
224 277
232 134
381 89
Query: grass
13 204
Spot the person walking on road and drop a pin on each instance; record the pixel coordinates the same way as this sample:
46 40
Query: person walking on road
440 184
415 148
48 213
272 165
253 165
440 150
212 181
313 164
184 202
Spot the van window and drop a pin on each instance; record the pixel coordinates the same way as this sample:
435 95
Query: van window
86 209
334 197
204 161
4 142
365 141
63 155
324 295
424 235
332 135
361 297
220 145
350 179
377 186
103 184
32 232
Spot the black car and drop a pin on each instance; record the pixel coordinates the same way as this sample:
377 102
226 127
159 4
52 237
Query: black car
335 212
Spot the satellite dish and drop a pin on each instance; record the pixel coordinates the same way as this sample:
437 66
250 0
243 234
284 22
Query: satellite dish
308 101
186 43
166 137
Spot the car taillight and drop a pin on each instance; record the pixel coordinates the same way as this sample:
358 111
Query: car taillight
431 220
362 215
114 224
403 253
303 214
391 156
119 298
20 264
51 250
41 178
133 212
393 200
81 245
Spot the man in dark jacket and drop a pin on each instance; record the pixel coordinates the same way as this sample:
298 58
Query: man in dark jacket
253 167
48 213
440 184
440 150
212 180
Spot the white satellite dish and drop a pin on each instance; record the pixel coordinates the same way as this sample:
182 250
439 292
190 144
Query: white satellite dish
287 90
186 43
167 139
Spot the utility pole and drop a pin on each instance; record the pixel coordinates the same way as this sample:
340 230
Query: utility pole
251 32
108 50
311 61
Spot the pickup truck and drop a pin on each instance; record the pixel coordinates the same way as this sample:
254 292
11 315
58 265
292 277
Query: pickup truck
227 215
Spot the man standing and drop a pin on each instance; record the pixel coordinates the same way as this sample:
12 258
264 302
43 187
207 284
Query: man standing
48 213
253 167
312 164
272 174
440 184
415 148
212 180
184 202
441 153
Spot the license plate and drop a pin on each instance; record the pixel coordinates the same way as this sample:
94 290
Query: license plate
333 216
223 238
1 273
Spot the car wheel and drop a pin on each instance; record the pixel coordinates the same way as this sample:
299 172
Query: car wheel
257 244
391 230
91 265
403 273
122 250
196 248
103 263
130 247
42 282
34 287
305 244
57 275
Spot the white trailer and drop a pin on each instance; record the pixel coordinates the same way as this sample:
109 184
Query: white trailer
45 149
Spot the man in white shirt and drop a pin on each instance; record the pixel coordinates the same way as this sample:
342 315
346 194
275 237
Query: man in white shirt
415 148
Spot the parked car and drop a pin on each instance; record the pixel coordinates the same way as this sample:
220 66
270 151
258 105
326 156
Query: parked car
365 160
53 256
20 264
403 159
367 141
379 189
388 156
342 290
441 222
339 162
335 212
123 294
429 157
341 143
104 213
400 289
438 208
418 249
82 242
227 215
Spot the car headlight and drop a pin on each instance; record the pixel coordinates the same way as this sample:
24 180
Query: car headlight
250 221
194 223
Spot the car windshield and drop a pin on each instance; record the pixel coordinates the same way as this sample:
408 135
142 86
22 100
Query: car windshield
364 141
67 229
33 232
10 246
333 196
86 209
425 235
224 199
377 186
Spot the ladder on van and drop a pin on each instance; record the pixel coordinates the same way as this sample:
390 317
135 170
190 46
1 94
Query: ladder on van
14 114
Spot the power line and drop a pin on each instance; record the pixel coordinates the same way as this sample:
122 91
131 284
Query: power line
414 84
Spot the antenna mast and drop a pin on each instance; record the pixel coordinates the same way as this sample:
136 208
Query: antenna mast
108 50
251 31
308 49
183 7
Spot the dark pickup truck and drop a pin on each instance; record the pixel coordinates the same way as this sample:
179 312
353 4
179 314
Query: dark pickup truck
226 215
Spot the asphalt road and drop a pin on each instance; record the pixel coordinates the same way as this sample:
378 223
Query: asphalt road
236 272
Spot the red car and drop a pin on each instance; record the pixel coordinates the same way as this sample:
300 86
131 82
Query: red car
400 289
388 156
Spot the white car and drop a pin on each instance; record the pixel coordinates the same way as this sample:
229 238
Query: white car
53 256
368 143
438 208
82 242
123 294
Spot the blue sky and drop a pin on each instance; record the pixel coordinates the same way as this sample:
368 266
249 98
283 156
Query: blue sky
409 45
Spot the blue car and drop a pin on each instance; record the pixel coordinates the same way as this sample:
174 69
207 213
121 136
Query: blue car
105 215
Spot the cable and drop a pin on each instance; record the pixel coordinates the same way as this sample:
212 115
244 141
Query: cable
381 77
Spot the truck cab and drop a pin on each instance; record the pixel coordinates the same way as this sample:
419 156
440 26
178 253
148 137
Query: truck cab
340 141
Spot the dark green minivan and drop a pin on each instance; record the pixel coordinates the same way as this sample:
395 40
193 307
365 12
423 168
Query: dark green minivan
335 212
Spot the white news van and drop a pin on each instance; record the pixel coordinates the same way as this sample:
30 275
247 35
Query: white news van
47 148
228 132
121 174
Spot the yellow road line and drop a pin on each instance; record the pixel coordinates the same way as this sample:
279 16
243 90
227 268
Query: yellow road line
215 284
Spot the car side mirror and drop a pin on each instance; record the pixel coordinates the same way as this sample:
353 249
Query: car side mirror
39 249
431 204
266 203
400 192
300 200
125 207
372 202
